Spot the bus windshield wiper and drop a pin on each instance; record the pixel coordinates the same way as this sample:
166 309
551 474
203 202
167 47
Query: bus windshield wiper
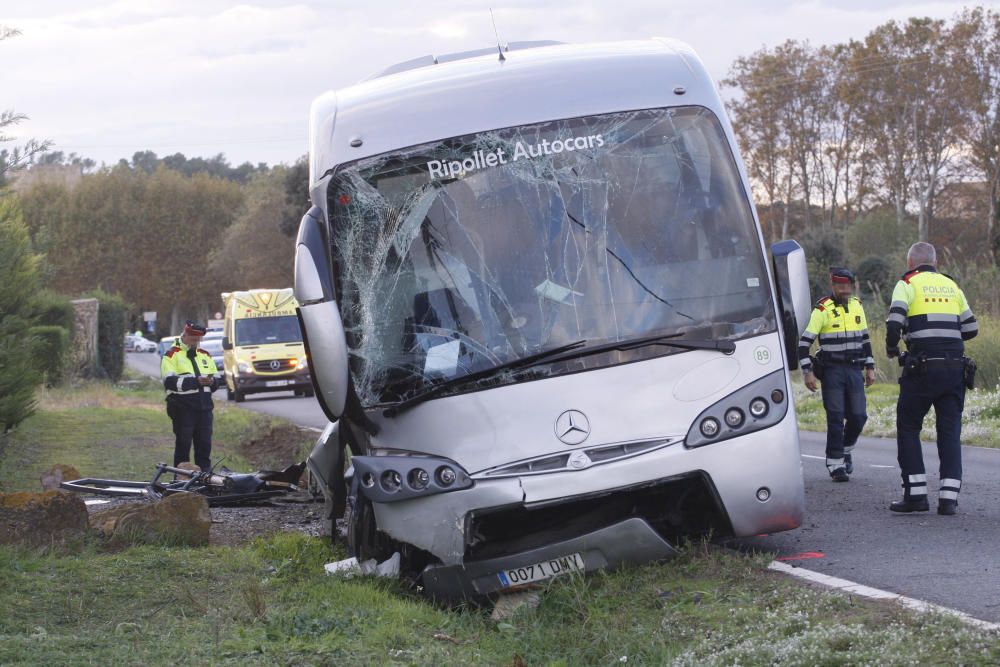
669 340
523 362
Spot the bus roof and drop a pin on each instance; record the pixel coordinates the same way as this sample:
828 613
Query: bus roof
450 98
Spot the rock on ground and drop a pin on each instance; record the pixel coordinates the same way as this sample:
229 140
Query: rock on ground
57 474
181 518
38 519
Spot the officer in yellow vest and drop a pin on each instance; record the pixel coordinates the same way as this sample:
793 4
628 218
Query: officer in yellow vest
838 322
189 378
929 312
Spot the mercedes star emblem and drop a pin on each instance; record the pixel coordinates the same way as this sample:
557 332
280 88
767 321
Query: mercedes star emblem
275 365
572 427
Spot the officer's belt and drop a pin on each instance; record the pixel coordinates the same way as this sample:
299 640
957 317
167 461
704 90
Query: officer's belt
942 363
839 359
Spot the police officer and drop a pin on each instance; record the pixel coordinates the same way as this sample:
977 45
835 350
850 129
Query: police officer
189 377
838 321
930 313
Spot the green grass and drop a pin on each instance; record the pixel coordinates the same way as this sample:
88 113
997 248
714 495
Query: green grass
980 422
117 432
271 604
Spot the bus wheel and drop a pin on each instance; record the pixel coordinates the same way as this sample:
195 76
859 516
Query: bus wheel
364 538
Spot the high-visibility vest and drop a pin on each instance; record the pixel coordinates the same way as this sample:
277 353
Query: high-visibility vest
929 310
842 331
180 372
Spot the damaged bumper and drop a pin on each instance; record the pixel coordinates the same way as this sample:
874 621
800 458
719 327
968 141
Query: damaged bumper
629 511
632 541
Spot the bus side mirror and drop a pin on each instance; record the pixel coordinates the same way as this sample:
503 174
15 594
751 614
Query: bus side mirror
226 343
791 277
319 316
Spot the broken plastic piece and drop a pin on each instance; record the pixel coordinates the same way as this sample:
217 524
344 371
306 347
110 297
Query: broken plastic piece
347 567
350 567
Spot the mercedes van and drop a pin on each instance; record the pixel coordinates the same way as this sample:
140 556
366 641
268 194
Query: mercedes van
262 344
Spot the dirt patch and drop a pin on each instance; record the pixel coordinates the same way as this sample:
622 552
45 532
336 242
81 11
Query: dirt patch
235 526
281 446
232 526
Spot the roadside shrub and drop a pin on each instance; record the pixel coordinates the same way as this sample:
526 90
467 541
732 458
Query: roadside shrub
112 315
879 231
875 279
49 308
18 275
49 347
824 248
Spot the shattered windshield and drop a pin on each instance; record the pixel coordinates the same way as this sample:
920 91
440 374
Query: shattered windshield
461 255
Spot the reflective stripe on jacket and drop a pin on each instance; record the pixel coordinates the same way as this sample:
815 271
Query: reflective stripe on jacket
842 331
180 368
930 313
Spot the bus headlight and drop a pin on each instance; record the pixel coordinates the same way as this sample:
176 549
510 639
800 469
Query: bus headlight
244 367
389 479
710 427
758 408
727 418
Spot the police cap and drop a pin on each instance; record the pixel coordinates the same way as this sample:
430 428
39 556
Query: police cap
839 274
194 329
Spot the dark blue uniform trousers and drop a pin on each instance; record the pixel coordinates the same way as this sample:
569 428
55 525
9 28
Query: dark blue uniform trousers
945 390
843 388
192 425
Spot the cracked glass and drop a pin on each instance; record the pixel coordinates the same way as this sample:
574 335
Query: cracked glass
457 256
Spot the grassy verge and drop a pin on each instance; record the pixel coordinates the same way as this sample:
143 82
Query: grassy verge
980 422
116 431
270 602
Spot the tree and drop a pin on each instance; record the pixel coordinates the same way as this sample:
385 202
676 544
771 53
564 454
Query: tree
296 196
147 237
18 275
757 122
19 156
254 251
976 42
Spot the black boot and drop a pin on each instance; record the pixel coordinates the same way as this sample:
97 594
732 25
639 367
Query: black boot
907 504
848 464
947 507
840 475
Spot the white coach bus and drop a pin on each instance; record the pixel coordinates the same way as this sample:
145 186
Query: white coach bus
540 315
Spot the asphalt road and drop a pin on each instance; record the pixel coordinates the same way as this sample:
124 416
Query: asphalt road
849 531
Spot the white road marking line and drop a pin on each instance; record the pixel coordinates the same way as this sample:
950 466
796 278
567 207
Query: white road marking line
810 456
878 466
846 586
312 428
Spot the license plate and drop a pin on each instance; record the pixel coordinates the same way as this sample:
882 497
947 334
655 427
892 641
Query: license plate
546 569
276 383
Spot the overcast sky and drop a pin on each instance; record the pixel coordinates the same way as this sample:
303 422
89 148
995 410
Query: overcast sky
107 78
